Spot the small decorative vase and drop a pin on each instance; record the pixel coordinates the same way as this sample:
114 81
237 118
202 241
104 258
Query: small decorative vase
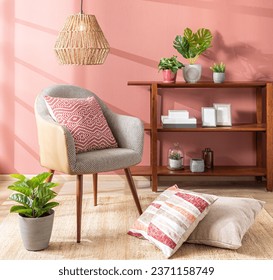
192 73
218 77
169 76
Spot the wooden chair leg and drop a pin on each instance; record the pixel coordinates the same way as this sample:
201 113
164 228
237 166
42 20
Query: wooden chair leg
79 193
133 189
95 188
49 179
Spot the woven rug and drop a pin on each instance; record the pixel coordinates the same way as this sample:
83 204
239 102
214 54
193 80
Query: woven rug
104 235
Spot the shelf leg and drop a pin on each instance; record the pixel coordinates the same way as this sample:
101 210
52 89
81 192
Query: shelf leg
269 137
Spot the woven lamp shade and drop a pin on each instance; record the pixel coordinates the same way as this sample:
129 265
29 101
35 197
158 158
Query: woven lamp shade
81 41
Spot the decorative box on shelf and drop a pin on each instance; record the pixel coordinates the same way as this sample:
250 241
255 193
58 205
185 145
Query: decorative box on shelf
178 119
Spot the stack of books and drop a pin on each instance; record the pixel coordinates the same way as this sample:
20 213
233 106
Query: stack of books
178 119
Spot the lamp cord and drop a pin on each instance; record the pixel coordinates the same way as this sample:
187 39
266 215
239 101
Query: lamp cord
81 6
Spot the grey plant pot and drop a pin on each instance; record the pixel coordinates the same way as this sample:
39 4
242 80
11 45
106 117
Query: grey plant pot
218 77
192 73
36 232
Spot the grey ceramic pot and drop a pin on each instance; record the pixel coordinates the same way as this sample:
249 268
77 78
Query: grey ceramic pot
36 232
192 73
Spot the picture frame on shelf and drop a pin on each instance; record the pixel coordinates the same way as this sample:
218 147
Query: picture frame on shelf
208 117
223 114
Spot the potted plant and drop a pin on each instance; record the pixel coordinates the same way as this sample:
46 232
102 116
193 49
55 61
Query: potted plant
175 157
169 66
191 45
218 70
35 209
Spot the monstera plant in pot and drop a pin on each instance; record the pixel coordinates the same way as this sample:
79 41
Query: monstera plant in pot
35 209
191 45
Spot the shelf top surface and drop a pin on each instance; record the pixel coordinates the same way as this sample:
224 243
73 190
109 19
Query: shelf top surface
201 84
234 128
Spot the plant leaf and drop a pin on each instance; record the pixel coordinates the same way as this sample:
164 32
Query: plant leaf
18 176
22 210
35 181
21 188
21 199
182 46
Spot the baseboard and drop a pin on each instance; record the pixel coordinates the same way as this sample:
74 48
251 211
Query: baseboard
65 177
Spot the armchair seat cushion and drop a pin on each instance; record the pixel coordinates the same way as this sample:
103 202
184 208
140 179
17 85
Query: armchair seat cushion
84 119
105 160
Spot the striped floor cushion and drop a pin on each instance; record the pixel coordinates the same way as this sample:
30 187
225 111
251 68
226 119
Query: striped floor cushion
171 218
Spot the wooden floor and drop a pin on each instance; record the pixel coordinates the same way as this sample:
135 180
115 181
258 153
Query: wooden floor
117 185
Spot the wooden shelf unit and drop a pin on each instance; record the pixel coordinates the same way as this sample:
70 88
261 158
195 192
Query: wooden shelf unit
263 125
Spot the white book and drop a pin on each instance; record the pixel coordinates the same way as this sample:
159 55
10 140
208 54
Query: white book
183 114
168 120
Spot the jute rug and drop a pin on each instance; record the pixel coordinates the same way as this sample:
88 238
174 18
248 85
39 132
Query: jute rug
104 235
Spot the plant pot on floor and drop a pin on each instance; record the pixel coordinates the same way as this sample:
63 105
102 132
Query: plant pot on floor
192 73
36 232
169 76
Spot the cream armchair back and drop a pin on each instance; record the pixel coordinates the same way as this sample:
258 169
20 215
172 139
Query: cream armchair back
57 149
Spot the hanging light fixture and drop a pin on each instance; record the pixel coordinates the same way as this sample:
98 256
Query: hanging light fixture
81 41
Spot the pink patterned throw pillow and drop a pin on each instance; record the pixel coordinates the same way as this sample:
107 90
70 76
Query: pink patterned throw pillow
84 119
169 224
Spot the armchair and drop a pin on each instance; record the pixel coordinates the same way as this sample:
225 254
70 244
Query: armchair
57 149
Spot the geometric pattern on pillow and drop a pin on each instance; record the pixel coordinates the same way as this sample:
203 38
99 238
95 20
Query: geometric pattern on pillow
227 222
173 218
84 119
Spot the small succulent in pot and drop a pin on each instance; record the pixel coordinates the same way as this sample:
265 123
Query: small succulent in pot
219 74
175 157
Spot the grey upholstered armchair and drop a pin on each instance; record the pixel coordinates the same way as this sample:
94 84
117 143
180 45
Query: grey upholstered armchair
57 150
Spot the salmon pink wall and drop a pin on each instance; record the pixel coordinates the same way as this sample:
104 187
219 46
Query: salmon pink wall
140 32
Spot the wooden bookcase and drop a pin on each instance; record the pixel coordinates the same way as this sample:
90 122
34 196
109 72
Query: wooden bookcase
263 125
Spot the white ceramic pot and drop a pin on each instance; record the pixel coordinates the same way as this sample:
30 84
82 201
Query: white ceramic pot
36 232
175 164
197 165
218 77
192 73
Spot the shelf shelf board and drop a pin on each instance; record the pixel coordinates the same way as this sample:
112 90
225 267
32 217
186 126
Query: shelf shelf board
216 171
253 127
200 84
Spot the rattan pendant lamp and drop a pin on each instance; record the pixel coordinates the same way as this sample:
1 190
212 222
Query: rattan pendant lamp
81 41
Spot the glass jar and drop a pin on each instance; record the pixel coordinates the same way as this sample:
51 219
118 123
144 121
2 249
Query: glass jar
208 158
175 157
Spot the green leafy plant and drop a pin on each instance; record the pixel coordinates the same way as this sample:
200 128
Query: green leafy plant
191 45
33 195
171 63
175 155
218 67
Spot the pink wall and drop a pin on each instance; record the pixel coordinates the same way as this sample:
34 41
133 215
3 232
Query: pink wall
140 32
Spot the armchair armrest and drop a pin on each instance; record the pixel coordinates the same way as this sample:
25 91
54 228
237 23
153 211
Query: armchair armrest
56 145
128 131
